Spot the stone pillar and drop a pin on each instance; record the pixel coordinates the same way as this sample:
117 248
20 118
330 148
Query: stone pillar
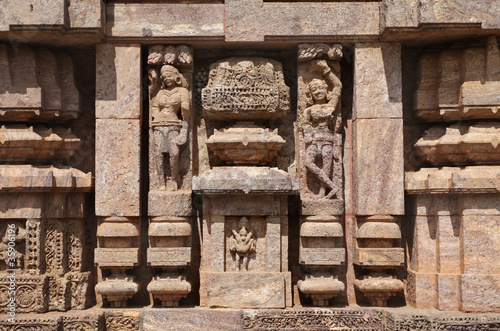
322 251
170 71
42 213
456 199
118 132
378 171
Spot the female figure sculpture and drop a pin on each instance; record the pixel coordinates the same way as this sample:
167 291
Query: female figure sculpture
321 125
169 121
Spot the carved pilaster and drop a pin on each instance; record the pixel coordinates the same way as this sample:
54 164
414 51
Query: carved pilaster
170 71
117 251
379 254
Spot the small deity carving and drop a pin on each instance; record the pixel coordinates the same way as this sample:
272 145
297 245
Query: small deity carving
242 244
169 120
321 124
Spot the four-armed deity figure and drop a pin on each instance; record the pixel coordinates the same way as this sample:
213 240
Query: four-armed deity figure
242 244
321 123
170 131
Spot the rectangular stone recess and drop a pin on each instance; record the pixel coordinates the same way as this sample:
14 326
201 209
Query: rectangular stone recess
246 290
117 167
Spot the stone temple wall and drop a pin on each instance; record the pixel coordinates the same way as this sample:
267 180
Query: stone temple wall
249 164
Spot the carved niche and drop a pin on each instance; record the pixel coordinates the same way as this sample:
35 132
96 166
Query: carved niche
170 71
319 115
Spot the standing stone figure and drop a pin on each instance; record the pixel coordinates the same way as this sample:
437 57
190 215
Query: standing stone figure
321 123
169 121
242 244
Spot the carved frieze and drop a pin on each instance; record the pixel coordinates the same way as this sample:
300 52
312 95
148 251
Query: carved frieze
245 89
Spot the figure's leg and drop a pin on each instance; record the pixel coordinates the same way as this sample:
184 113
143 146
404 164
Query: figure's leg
158 157
173 151
310 157
245 262
238 261
327 157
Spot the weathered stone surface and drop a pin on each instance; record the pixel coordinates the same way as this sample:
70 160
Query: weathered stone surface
249 204
377 81
466 86
118 81
139 20
37 86
472 179
378 167
161 203
480 293
318 318
322 207
244 180
400 13
246 88
86 14
262 19
461 144
22 143
246 290
191 319
117 167
462 11
38 13
26 205
30 178
122 320
422 290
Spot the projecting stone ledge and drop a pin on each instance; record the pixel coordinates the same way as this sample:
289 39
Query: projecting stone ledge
473 179
28 177
245 180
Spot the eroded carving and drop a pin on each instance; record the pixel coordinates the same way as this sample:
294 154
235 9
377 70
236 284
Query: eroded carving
320 119
170 107
242 244
245 88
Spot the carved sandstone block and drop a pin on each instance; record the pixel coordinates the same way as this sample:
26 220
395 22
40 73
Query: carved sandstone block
148 20
118 81
377 81
117 167
262 19
378 167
